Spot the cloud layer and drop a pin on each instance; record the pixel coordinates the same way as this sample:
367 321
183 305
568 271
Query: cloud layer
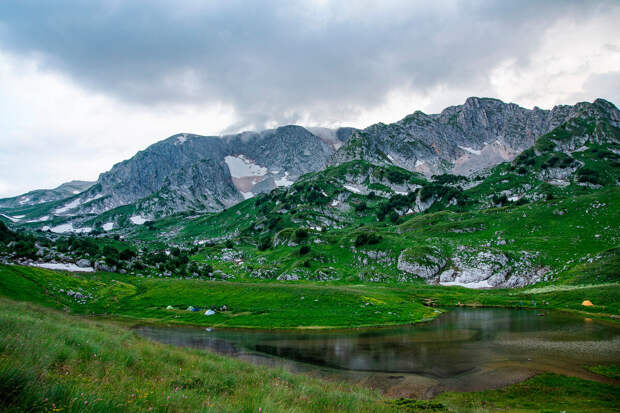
138 70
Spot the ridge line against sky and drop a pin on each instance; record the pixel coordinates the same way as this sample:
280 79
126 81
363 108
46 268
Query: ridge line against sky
84 85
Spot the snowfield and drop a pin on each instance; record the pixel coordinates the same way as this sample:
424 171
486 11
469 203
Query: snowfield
93 198
352 189
73 204
474 285
241 167
68 227
138 220
63 266
181 139
108 226
42 219
470 150
12 219
62 228
284 181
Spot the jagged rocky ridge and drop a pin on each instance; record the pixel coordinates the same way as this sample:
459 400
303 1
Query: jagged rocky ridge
462 139
205 173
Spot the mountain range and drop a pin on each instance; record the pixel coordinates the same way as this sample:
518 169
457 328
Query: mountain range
201 174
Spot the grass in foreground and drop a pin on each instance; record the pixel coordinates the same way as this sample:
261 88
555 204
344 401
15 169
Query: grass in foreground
544 393
51 361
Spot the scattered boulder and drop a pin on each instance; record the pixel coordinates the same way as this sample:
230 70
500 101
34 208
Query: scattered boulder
82 263
423 262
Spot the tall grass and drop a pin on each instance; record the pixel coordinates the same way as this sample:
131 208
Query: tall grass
50 361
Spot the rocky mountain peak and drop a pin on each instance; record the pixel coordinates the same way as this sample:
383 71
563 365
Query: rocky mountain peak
462 139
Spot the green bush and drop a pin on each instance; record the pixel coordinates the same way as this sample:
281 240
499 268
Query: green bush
367 238
301 233
264 243
589 175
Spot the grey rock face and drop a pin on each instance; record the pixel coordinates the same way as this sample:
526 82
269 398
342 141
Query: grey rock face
427 266
101 266
473 268
463 139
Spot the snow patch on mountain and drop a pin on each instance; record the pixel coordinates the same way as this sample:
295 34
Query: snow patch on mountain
42 219
181 139
73 204
63 266
470 150
108 226
475 284
352 189
62 228
241 167
12 219
284 181
93 198
137 220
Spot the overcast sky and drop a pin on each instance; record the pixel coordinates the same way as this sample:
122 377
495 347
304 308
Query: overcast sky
86 84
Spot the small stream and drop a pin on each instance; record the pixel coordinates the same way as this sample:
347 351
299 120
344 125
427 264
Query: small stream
462 350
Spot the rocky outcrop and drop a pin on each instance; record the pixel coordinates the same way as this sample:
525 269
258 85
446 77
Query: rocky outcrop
472 268
425 263
83 263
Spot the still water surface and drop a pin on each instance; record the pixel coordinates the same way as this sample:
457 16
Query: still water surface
462 350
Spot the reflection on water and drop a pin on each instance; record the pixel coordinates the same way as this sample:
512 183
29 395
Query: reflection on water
464 349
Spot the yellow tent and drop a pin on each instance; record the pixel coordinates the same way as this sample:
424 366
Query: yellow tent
587 303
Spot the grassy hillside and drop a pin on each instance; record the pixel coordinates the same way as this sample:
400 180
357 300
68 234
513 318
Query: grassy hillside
561 234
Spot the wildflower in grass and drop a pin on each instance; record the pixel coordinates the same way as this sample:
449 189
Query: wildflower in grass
85 402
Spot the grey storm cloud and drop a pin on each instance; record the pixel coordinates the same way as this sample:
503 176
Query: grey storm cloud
277 60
